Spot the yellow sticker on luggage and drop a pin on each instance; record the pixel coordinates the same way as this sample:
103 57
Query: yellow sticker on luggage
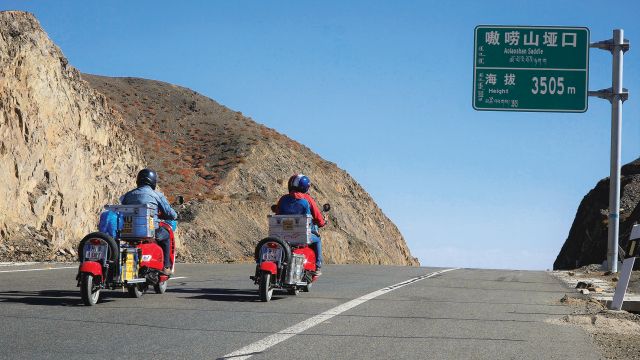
128 224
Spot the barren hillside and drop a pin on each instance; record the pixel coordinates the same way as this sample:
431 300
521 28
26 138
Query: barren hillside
67 149
234 169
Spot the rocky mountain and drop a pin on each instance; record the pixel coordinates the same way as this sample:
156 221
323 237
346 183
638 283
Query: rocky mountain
79 139
55 136
587 240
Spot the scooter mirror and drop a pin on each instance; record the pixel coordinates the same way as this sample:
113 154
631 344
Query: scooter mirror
274 208
326 207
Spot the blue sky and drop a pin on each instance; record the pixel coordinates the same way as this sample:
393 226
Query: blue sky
383 88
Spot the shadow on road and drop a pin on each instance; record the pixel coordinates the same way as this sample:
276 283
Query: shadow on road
218 294
72 298
52 297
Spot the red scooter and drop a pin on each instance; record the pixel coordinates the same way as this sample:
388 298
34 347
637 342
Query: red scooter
129 257
284 259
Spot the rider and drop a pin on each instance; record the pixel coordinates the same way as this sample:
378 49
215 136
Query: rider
145 194
299 202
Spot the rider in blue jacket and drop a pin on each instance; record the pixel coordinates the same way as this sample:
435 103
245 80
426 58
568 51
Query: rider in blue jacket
146 193
299 202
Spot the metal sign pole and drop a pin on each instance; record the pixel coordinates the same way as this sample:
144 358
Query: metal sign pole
616 134
616 94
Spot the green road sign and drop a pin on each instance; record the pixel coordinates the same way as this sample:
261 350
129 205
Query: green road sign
531 68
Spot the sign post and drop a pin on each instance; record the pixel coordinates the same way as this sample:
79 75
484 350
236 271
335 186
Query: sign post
536 68
531 68
616 95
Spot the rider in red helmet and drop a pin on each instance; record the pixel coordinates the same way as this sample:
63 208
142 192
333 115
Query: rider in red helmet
299 202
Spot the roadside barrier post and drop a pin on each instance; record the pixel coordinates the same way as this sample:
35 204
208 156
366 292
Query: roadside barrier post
627 266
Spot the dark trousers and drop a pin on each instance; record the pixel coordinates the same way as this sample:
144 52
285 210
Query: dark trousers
163 239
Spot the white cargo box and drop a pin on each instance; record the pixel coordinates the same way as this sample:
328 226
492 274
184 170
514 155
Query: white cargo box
294 229
137 220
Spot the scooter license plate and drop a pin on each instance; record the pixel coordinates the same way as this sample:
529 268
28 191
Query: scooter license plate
271 254
95 252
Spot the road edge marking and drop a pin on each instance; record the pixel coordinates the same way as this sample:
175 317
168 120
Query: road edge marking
42 269
274 339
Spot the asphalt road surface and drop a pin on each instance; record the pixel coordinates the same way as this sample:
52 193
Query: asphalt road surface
352 312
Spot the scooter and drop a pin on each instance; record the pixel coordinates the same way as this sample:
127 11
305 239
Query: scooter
124 253
284 259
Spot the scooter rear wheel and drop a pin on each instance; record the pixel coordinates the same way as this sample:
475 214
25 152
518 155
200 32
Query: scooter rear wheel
283 244
113 245
265 289
89 295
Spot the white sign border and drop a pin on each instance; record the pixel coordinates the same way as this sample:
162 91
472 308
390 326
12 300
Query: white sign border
475 53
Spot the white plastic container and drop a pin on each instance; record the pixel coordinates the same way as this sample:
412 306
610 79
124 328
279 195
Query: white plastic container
294 229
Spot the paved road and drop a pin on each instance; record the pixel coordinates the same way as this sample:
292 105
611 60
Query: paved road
213 312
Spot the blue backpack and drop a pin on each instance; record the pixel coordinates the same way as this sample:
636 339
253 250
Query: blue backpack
110 223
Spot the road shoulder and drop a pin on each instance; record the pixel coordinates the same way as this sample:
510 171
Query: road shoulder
615 333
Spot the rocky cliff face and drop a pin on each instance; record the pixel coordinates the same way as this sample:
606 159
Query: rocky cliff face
66 149
56 135
587 241
232 169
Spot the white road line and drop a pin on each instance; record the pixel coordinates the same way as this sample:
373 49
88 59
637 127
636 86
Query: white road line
17 263
178 277
271 340
23 270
